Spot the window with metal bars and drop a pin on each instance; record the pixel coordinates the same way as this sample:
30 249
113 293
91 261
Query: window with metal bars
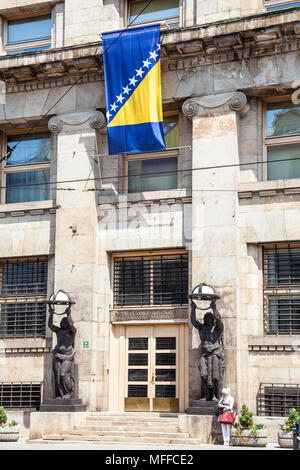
282 289
23 291
25 395
277 399
151 280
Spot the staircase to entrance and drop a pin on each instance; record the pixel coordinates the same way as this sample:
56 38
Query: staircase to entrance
134 428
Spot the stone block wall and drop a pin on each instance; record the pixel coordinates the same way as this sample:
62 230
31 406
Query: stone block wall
210 11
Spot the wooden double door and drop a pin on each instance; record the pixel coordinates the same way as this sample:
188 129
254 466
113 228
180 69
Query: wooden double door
155 368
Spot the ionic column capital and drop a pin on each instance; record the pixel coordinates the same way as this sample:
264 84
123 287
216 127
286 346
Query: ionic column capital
217 102
92 119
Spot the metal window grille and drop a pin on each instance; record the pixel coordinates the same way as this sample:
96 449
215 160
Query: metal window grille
156 280
23 291
165 391
137 390
165 342
282 289
277 399
25 395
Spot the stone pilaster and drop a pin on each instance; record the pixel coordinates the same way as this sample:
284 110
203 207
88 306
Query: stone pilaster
58 22
76 267
215 236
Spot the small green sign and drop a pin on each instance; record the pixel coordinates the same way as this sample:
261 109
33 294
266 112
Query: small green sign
86 344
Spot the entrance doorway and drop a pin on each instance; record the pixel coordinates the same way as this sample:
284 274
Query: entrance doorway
155 372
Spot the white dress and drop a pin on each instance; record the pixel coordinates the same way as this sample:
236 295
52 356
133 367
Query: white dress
228 401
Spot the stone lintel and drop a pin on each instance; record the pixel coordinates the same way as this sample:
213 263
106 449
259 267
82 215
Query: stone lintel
216 103
146 314
94 119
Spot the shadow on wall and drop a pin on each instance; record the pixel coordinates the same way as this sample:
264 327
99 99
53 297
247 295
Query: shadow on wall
195 385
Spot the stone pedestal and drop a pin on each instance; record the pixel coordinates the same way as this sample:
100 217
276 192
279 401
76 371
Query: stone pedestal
73 404
202 407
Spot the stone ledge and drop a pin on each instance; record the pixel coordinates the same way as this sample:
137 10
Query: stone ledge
35 208
269 188
29 7
149 198
273 348
28 350
274 343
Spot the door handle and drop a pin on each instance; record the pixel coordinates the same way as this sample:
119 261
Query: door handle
153 378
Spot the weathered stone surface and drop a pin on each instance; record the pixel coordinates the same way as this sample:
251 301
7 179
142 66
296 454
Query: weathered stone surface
285 439
248 439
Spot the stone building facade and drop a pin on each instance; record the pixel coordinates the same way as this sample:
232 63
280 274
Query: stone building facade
128 250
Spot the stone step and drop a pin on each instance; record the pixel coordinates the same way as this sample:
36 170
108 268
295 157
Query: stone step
126 427
169 435
128 422
120 439
141 414
124 419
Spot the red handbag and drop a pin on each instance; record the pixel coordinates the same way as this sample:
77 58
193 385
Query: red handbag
227 417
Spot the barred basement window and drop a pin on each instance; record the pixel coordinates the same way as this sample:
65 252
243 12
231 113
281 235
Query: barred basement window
23 291
282 289
151 280
25 395
277 399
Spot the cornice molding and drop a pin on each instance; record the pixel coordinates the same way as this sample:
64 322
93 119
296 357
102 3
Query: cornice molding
184 48
235 101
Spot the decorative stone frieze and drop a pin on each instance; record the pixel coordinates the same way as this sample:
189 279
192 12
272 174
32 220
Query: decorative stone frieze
95 119
28 350
274 348
235 100
268 189
26 211
179 196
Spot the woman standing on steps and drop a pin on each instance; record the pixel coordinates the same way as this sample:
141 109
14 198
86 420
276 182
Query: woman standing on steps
226 403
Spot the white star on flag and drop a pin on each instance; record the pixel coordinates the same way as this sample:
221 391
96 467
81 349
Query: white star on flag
139 72
126 90
108 115
158 47
113 107
120 98
146 63
153 55
132 81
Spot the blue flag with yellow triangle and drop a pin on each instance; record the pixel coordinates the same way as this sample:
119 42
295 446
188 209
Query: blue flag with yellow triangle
133 90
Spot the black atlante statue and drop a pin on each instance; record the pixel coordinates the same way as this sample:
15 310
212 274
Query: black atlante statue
63 355
212 358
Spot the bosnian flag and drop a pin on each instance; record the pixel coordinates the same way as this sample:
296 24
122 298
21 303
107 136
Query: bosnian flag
133 90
